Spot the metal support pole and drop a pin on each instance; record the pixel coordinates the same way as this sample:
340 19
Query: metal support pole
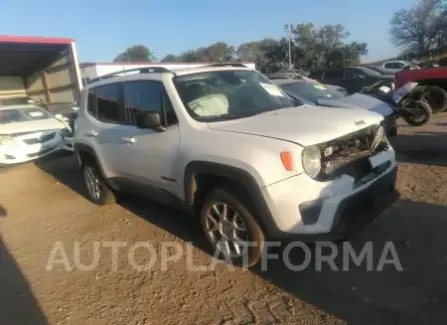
290 51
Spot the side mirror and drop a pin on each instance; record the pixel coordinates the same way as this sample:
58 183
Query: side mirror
150 120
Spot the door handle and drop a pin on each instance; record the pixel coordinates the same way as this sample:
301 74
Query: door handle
129 140
91 133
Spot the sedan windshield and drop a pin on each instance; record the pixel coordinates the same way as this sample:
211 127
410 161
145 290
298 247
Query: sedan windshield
23 114
310 91
227 94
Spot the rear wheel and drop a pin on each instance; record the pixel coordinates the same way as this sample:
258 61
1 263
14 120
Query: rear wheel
436 97
97 190
417 113
230 228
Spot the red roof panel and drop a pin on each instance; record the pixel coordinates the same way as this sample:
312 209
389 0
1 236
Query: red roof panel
34 39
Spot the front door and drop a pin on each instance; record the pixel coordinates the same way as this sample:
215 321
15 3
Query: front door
150 155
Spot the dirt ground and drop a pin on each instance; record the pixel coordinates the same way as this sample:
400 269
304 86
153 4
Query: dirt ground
43 205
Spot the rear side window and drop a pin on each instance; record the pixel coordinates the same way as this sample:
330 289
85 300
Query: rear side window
109 107
333 74
147 96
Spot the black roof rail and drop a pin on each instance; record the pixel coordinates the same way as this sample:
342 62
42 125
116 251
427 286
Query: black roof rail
147 69
227 65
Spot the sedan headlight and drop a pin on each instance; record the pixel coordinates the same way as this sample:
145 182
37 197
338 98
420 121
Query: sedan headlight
312 161
6 140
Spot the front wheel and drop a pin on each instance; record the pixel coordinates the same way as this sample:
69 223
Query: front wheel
98 191
417 113
230 228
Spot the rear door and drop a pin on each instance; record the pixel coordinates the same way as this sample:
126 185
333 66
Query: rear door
108 121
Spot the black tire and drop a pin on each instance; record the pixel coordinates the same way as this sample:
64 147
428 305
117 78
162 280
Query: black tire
423 113
106 195
436 97
234 199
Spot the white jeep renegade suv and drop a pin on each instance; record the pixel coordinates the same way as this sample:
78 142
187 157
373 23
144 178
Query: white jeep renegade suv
227 144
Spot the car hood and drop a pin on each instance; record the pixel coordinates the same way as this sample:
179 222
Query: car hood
304 125
360 101
30 126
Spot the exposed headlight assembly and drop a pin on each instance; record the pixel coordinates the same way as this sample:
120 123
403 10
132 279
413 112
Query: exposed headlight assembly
312 161
6 140
379 138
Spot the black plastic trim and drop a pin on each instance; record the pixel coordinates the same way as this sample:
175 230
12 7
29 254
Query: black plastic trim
239 176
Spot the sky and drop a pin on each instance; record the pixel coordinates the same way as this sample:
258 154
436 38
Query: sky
102 29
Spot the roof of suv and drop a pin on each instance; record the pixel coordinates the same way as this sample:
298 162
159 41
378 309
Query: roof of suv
158 72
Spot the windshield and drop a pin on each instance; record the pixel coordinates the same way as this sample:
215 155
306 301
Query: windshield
222 95
23 114
311 91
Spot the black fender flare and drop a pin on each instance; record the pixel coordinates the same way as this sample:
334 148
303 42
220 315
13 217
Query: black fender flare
236 175
80 147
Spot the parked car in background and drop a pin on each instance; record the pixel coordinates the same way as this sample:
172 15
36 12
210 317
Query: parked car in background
353 79
309 92
336 90
398 65
225 143
295 74
28 132
382 70
67 113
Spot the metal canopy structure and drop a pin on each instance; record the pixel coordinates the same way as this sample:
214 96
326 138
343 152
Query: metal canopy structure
20 56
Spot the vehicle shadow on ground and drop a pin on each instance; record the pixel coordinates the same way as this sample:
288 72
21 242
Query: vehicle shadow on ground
17 302
428 148
365 294
417 295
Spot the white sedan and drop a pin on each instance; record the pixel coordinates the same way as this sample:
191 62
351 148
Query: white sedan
28 132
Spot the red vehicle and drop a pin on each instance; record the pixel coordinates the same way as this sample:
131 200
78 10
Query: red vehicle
432 85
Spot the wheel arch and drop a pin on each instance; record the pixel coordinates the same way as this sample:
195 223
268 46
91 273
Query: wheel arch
202 176
84 153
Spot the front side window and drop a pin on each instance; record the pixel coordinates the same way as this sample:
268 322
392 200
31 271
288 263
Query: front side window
143 96
228 94
109 106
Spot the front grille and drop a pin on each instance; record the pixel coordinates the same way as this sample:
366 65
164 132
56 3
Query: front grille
42 139
349 155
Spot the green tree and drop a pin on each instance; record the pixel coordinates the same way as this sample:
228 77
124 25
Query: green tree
319 48
170 58
136 53
420 29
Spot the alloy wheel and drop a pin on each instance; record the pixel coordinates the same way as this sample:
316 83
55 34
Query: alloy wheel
93 182
227 229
